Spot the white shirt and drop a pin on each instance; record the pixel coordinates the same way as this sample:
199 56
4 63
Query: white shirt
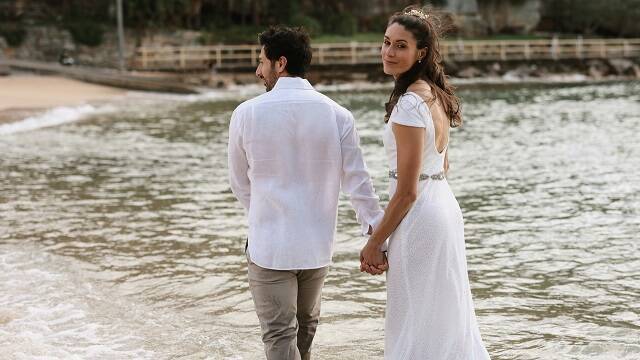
291 150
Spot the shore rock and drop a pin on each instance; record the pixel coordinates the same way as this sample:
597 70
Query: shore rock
622 66
470 72
636 71
520 72
597 69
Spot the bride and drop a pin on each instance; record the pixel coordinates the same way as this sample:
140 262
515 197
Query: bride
430 312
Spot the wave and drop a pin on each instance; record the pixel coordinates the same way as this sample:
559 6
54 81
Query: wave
56 116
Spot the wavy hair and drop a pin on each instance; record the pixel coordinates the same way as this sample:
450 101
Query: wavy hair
427 31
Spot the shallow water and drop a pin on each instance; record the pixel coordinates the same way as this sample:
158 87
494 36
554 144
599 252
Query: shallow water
120 238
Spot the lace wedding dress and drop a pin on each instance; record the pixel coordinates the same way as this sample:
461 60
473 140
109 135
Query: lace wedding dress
430 313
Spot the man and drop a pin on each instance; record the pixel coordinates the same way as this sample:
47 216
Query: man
291 150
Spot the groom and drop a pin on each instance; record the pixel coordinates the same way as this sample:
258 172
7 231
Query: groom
291 151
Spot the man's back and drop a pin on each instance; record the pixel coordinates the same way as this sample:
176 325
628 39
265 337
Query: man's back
291 150
294 141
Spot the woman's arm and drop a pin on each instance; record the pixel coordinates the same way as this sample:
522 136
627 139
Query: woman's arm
410 143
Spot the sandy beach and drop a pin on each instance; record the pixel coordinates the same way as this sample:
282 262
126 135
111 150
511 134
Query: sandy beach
24 95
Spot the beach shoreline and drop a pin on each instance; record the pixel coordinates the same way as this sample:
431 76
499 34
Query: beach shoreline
25 95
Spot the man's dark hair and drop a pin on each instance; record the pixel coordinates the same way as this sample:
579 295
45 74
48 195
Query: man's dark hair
292 43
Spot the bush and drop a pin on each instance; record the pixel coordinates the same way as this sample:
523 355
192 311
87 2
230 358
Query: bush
86 33
231 35
310 24
610 18
342 24
13 33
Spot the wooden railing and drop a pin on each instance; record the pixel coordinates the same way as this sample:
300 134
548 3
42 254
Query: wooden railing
246 56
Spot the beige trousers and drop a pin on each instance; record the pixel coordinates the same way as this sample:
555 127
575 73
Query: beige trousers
288 306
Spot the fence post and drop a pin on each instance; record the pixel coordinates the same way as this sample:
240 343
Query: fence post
475 51
321 55
603 48
503 51
182 59
626 50
354 56
527 51
254 56
579 47
554 47
218 56
460 46
144 58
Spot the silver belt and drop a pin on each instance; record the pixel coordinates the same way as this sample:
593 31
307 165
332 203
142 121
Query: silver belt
439 176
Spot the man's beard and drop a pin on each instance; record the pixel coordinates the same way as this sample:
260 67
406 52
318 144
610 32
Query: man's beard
270 82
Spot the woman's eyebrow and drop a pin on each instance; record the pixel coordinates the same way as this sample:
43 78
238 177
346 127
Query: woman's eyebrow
400 40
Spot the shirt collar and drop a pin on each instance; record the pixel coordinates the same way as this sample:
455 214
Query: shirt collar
287 82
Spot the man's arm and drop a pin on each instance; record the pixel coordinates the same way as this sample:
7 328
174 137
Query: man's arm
356 181
238 163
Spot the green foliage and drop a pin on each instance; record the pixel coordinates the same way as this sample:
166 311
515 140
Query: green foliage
236 21
312 25
612 17
282 11
155 13
360 37
342 24
231 35
14 33
86 33
81 10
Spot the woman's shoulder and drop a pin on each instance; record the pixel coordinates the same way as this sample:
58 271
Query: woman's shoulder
422 89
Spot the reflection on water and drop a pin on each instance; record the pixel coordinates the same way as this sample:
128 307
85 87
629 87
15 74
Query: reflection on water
120 238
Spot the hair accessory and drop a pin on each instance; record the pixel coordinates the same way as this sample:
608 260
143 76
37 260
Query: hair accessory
417 13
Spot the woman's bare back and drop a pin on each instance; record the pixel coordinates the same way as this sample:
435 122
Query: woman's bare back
440 120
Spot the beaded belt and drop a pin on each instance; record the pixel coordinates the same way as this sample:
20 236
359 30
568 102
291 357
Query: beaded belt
439 176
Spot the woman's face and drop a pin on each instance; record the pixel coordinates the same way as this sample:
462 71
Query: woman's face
399 50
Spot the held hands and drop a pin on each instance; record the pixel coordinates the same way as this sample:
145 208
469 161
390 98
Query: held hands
372 260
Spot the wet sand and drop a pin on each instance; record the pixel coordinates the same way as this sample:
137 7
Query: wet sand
22 96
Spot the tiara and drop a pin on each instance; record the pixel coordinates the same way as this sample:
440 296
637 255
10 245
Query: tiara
417 13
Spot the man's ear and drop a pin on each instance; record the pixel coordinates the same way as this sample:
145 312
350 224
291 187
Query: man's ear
281 64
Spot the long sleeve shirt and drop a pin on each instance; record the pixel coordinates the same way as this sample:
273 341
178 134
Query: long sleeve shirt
291 151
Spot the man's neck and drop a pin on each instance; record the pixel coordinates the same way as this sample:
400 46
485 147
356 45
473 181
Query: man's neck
285 74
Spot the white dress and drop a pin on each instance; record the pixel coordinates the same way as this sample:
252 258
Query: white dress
430 312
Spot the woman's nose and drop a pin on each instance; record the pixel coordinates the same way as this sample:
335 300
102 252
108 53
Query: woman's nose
390 52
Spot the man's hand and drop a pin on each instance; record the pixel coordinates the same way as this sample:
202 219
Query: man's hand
372 260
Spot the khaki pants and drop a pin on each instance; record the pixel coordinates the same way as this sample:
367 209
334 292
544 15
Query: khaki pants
288 307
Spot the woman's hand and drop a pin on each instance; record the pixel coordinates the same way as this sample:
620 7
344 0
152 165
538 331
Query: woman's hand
372 260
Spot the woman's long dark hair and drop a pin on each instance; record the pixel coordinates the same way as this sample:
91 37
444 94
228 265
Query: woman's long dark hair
427 33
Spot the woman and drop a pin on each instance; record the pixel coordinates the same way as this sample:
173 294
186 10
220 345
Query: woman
430 312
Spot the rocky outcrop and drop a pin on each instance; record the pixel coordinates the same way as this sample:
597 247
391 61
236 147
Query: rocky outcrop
46 43
516 17
482 17
595 69
623 66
